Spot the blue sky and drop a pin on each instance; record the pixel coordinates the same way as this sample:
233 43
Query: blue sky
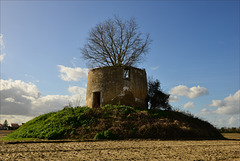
194 54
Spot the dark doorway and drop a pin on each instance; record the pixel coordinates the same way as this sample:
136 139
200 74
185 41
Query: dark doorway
96 99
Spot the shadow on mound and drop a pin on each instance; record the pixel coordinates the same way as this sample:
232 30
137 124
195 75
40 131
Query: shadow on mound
116 122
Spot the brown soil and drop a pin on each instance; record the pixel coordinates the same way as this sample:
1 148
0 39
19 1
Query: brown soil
123 150
232 135
4 133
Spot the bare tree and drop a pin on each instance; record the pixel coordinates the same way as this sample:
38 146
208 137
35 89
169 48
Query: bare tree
115 42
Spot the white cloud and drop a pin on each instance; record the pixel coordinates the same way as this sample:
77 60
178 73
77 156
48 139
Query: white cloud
234 121
19 119
49 103
15 96
193 92
9 99
206 111
180 90
173 98
20 87
154 68
219 120
2 57
2 46
227 113
72 74
21 98
216 103
77 90
229 105
189 105
78 96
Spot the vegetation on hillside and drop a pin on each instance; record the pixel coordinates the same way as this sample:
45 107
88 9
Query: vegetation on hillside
116 122
229 130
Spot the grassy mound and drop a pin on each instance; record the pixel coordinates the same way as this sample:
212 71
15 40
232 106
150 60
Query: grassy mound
116 122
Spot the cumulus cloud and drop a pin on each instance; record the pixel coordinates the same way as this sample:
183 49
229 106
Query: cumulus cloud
72 74
49 103
9 99
78 96
21 98
219 120
216 103
20 87
234 121
154 68
206 111
229 105
1 42
16 96
192 92
189 105
2 57
19 119
2 46
173 98
77 90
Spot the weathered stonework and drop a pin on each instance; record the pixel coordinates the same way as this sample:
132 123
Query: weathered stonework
117 85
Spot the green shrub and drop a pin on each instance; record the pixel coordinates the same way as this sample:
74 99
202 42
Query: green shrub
105 135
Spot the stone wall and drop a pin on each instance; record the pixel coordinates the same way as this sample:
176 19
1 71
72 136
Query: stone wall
117 85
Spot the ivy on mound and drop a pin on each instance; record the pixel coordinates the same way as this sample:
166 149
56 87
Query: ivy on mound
116 122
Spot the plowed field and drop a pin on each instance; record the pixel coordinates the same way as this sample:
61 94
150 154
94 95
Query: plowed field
123 150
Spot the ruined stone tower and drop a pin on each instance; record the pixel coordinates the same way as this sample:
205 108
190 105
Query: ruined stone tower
117 85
